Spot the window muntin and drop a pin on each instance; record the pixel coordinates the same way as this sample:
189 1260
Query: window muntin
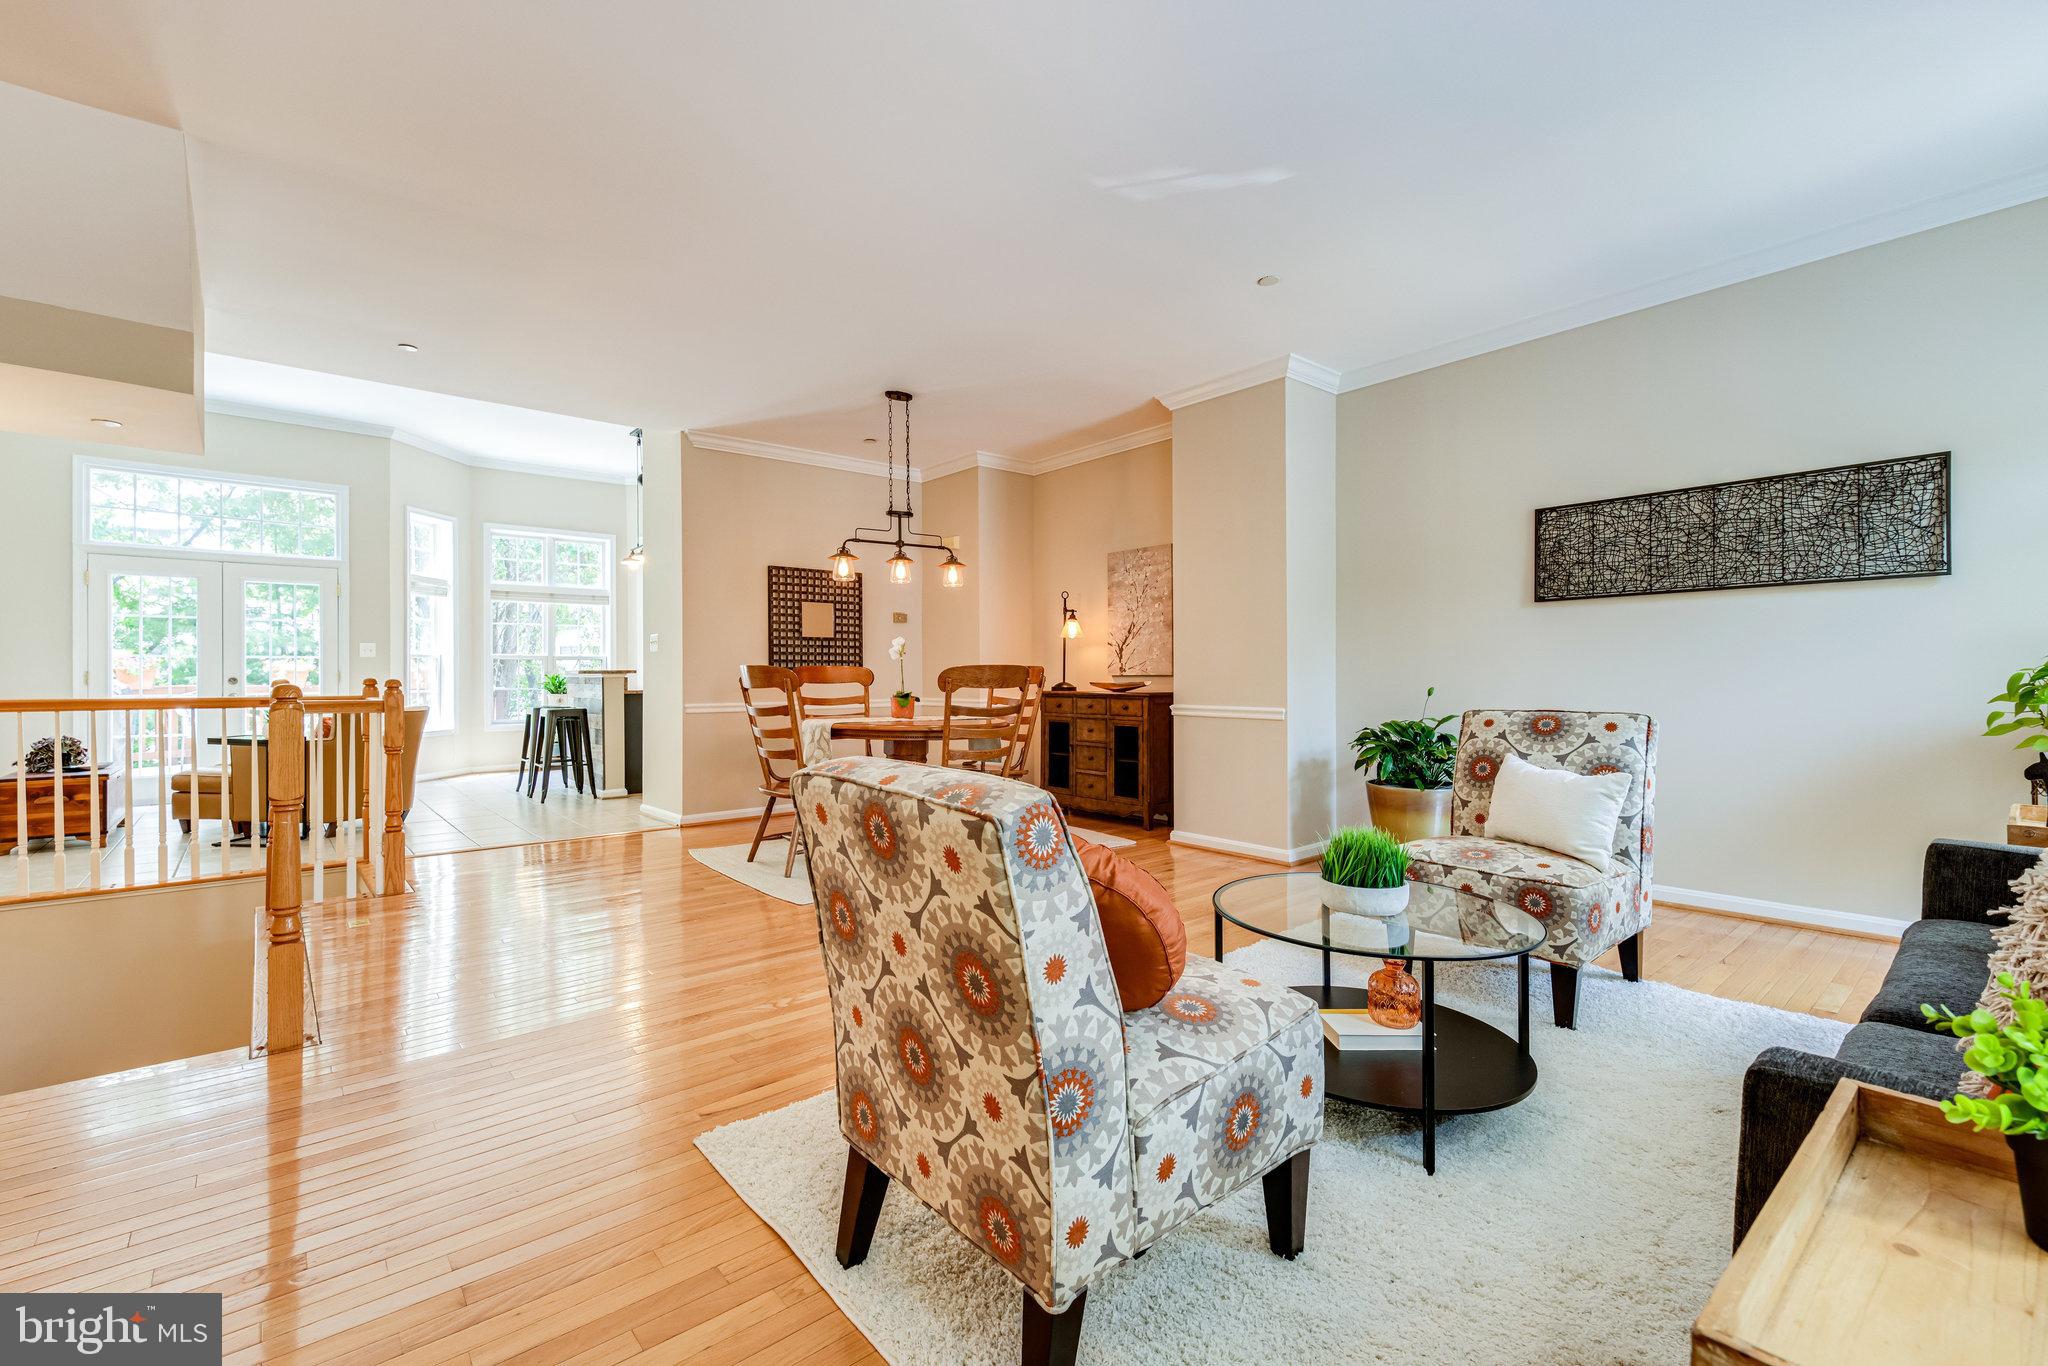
551 606
430 616
167 510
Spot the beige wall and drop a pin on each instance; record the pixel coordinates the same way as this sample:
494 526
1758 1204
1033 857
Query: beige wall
1813 739
98 984
741 514
663 642
1079 515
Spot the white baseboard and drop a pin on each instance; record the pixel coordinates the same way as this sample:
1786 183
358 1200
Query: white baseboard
712 817
608 792
1815 917
465 772
656 813
1270 853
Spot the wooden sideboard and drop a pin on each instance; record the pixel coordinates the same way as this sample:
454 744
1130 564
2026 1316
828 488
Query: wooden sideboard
1110 753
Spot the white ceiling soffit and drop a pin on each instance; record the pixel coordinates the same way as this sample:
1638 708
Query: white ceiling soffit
1031 218
489 435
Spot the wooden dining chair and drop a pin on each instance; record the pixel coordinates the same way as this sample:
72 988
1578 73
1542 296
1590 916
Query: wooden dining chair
775 714
982 734
1019 765
836 690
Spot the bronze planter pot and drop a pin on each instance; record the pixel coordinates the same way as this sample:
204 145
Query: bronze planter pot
1411 813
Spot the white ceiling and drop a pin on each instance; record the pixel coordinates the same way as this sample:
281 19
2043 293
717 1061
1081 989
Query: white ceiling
472 431
756 217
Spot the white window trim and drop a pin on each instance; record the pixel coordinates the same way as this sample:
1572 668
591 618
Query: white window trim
81 510
83 548
448 588
494 591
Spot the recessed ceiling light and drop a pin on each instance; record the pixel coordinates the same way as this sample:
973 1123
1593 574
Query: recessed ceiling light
106 422
407 346
1269 280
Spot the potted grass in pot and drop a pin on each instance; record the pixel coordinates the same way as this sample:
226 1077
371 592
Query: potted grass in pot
2013 1059
1408 767
1365 871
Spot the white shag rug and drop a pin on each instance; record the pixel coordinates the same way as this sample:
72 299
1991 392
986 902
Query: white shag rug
1103 837
1585 1225
764 874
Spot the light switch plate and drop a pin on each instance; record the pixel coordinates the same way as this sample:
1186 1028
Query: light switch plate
368 650
899 618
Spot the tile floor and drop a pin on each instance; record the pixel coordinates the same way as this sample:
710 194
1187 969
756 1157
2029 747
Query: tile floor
476 811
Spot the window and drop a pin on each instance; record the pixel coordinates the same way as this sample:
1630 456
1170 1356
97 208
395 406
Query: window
430 616
170 510
551 608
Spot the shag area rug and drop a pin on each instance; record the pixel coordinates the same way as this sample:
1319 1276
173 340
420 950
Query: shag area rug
1586 1224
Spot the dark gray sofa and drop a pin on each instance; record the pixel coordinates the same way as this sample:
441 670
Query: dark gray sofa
1941 959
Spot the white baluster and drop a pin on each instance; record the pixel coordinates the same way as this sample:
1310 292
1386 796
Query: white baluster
164 722
345 789
92 794
59 883
197 843
128 798
20 804
316 806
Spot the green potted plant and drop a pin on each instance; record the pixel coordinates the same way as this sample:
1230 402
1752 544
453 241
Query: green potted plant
2014 1059
554 685
2025 696
1409 782
1365 871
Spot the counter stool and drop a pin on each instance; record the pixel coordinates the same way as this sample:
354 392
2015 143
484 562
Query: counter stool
562 740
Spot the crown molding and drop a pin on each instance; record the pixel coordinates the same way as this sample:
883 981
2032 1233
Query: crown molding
1281 367
794 455
257 412
1939 212
1116 445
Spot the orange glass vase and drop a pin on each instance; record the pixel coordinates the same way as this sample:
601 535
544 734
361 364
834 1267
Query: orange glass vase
1393 998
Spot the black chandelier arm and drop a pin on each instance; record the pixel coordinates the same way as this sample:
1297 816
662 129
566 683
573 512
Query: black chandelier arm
932 541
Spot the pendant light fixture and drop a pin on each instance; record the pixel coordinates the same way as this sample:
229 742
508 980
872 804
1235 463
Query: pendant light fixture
898 535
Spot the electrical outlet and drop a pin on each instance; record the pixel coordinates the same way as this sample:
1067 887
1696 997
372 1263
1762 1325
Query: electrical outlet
368 649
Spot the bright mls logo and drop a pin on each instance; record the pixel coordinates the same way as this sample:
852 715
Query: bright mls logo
169 1330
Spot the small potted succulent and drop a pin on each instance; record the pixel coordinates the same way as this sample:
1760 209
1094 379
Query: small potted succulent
1410 782
1365 871
902 702
2013 1058
554 685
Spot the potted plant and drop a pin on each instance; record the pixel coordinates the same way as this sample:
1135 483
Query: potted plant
1410 782
554 685
2026 693
1365 871
2014 1059
902 702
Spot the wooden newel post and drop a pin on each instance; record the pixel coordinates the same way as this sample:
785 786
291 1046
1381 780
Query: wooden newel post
285 974
394 788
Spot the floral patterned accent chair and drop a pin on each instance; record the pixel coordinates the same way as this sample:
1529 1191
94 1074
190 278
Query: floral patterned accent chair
1586 910
984 1061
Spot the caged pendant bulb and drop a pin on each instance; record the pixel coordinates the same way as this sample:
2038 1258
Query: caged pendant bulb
842 563
899 568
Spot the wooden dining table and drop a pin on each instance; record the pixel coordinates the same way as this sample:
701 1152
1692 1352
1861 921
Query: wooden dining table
900 739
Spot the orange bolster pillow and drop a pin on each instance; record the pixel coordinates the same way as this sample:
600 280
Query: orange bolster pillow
1148 942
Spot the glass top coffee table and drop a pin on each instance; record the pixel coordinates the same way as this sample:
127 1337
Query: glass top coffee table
1464 1066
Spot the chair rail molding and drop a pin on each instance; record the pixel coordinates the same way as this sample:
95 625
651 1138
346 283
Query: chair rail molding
1228 713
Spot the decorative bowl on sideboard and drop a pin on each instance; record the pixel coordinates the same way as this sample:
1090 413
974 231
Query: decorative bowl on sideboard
1117 687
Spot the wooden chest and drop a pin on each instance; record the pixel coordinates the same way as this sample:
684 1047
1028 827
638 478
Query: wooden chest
81 789
1110 753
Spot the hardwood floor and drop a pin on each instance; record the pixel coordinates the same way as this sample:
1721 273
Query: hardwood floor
490 1159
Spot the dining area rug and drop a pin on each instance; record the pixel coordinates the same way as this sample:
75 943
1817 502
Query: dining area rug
1586 1224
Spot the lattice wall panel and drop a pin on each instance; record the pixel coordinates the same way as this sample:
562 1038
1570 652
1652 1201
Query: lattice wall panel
788 590
1886 519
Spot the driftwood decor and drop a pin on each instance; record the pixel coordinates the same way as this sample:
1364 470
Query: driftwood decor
804 601
1884 519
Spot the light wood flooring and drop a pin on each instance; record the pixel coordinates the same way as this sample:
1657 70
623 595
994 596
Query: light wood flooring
490 1159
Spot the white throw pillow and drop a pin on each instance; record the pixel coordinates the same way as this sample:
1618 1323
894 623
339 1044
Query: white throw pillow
1551 808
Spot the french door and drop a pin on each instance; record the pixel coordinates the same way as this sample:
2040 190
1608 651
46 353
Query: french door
174 626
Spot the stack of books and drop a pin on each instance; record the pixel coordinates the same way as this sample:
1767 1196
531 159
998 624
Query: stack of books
1354 1030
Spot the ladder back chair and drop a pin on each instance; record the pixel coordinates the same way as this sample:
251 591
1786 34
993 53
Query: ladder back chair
775 715
982 734
836 690
1019 765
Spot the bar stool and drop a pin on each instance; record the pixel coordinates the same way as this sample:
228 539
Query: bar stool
563 741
